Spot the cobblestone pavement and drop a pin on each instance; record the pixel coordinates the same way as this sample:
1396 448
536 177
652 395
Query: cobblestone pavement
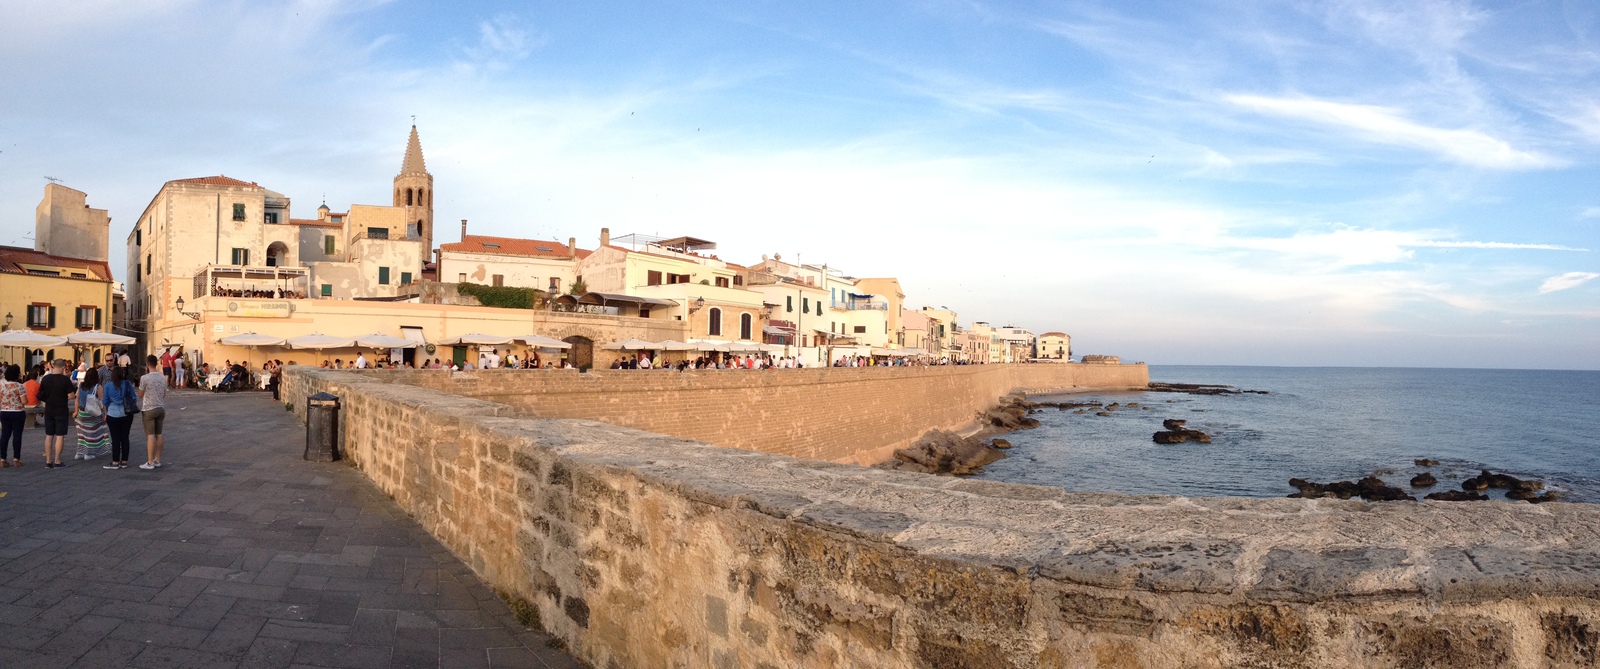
237 553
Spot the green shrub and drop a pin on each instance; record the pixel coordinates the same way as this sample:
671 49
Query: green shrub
505 297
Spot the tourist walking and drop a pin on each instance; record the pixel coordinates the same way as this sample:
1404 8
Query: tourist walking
122 402
93 437
153 409
179 372
13 410
57 394
32 409
166 365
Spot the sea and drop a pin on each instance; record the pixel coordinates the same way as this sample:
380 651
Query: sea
1321 424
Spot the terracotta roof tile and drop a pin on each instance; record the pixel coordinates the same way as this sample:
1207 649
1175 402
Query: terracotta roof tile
315 221
12 258
218 180
511 246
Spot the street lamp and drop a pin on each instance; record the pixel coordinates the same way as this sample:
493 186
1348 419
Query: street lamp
8 320
699 303
191 314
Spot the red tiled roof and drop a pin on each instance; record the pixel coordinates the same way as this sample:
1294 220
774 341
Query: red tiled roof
511 246
12 258
218 180
315 221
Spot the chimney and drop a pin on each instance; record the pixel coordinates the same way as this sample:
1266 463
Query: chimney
605 236
463 229
572 246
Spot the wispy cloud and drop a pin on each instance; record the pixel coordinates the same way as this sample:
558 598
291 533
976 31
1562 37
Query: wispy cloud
1496 245
1385 125
1565 281
1590 212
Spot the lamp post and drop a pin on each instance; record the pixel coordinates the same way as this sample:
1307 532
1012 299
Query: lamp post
8 321
191 314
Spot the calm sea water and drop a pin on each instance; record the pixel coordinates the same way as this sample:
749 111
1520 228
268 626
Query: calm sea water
1322 424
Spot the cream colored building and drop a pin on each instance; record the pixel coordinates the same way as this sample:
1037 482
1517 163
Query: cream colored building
681 284
66 226
227 238
1055 346
505 261
63 285
914 330
1017 344
942 333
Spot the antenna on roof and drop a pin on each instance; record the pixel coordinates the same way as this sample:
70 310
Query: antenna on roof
53 180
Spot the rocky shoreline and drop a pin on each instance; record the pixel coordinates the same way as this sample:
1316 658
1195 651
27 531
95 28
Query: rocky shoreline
1372 488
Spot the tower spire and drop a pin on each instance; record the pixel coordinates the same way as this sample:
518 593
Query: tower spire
413 163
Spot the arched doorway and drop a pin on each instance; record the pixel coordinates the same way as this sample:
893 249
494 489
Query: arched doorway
581 355
278 255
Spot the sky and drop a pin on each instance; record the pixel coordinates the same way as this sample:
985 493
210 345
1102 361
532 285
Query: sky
1343 183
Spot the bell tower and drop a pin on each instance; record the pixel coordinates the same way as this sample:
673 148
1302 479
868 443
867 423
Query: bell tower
413 190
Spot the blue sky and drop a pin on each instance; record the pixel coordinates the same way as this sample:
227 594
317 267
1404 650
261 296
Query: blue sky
1332 183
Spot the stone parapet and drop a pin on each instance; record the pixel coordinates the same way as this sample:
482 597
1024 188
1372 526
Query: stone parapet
858 415
644 550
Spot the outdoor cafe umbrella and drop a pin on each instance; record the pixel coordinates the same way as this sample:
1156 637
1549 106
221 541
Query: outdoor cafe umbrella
712 344
670 345
383 341
29 339
320 341
475 339
251 340
98 338
632 345
540 341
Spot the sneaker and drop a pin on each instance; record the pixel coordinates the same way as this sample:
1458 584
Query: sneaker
147 465
49 465
61 465
122 466
158 464
109 466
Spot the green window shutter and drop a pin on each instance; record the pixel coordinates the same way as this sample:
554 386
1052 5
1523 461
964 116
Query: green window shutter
383 276
327 244
788 302
805 305
327 290
97 318
405 278
238 212
52 318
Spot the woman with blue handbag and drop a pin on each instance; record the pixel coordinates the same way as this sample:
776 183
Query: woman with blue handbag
122 402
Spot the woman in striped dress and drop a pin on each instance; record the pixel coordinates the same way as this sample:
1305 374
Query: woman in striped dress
94 439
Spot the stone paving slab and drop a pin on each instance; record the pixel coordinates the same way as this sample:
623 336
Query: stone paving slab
237 553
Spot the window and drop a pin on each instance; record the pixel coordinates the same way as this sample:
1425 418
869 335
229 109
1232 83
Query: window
682 278
788 303
714 321
327 290
147 264
805 305
88 318
738 280
377 233
383 276
652 278
138 237
405 278
861 329
461 278
272 217
327 245
745 323
238 211
241 256
499 280
41 316
722 281
644 312
819 307
137 271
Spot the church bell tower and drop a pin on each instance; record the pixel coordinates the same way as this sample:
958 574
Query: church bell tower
413 190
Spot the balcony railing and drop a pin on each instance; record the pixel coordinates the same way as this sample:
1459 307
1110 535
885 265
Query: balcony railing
860 305
386 235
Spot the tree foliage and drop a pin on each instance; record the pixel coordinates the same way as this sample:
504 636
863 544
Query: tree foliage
505 297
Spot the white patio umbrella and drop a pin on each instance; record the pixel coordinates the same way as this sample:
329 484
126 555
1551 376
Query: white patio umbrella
29 339
540 341
251 339
98 338
712 344
670 345
320 341
385 341
632 345
475 339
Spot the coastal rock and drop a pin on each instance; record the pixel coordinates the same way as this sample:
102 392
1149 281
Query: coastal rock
1423 480
944 452
1102 413
1198 389
1000 443
1373 489
1176 433
1550 496
1475 483
1370 488
1521 494
1426 462
1457 496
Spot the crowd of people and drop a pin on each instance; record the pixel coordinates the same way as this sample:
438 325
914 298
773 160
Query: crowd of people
100 402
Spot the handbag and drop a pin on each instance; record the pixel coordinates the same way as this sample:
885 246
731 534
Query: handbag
130 399
93 407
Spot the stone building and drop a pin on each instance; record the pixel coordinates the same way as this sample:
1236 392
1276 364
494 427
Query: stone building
672 278
549 266
1055 346
63 284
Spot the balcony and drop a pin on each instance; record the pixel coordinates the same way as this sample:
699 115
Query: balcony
386 235
860 303
270 283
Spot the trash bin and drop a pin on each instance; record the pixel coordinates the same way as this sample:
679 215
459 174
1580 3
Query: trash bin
322 428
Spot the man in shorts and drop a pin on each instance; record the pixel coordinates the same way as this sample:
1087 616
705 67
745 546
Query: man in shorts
59 396
166 366
153 409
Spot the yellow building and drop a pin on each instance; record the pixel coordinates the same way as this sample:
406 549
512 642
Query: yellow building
52 295
703 291
1055 346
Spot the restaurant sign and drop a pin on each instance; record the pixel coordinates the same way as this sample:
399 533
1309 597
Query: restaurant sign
260 309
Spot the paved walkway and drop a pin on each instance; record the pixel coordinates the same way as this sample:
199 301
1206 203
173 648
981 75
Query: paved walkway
237 553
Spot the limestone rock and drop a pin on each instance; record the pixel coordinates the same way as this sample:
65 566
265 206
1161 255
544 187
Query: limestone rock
1176 433
944 452
1457 496
1426 462
1423 480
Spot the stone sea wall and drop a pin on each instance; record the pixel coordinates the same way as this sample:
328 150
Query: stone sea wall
644 550
857 415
